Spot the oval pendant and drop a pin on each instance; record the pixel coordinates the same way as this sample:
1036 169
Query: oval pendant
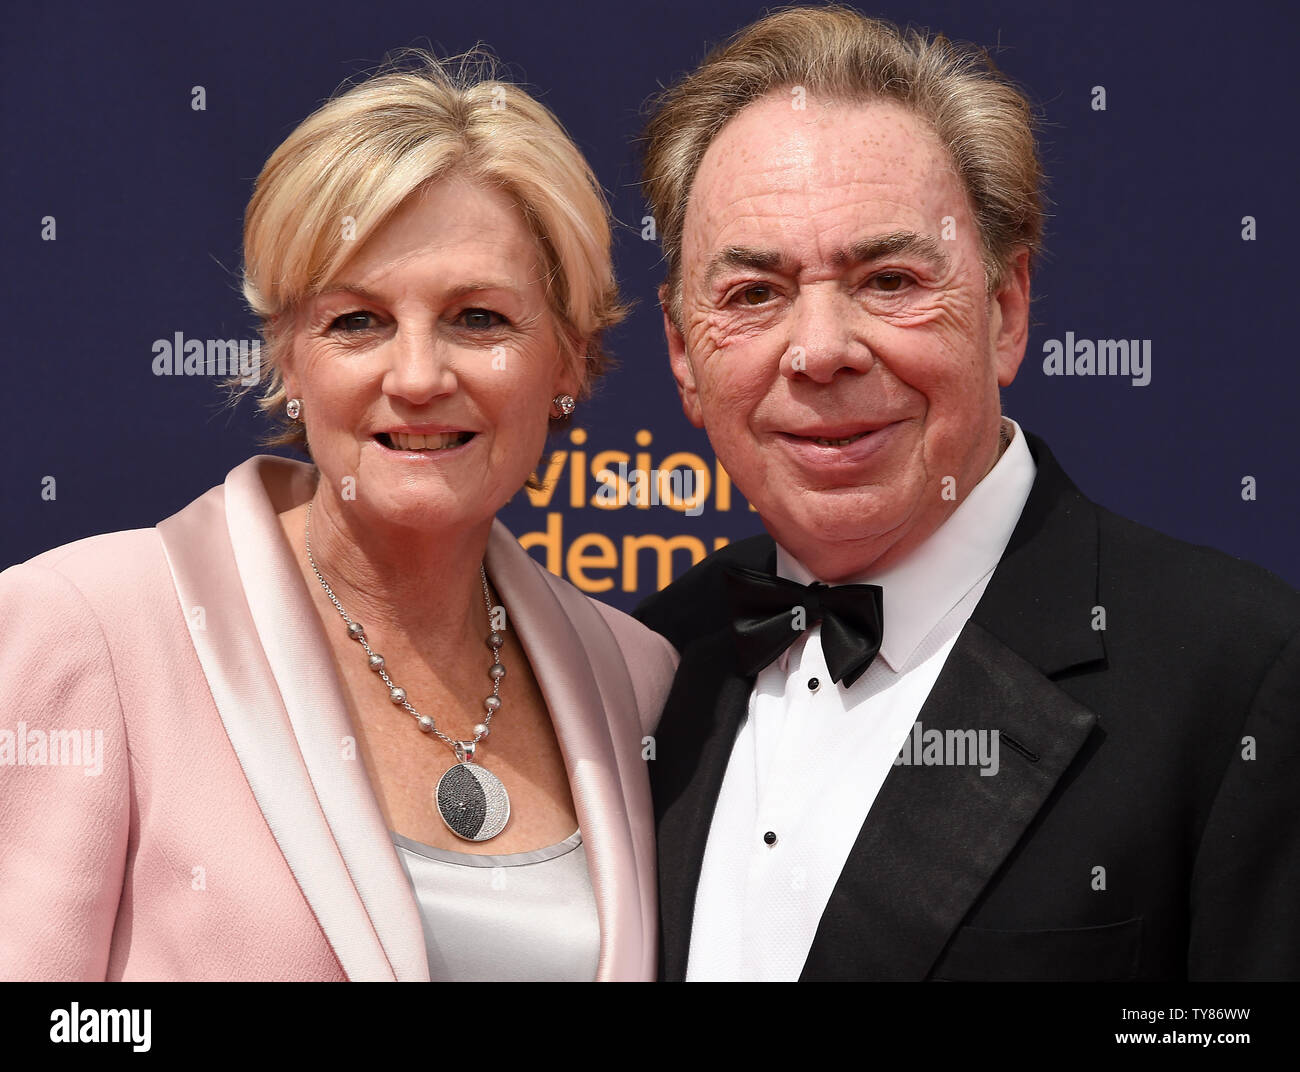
472 802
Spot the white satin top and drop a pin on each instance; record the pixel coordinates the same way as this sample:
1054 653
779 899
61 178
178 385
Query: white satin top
518 917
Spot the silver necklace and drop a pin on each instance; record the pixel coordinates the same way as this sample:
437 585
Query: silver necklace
472 801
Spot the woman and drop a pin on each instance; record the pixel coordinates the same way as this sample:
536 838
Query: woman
346 728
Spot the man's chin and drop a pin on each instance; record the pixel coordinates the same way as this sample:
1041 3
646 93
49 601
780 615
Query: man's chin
844 530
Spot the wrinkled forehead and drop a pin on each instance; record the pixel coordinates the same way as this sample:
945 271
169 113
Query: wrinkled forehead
793 166
456 226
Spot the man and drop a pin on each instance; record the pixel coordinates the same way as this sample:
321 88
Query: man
1069 758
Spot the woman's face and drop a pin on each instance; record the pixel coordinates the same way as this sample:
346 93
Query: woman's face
427 370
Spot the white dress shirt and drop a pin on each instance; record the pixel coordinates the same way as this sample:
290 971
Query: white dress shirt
808 762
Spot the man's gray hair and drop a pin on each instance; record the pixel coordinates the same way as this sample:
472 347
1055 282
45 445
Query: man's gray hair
986 124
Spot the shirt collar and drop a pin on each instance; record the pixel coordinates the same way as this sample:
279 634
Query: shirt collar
923 587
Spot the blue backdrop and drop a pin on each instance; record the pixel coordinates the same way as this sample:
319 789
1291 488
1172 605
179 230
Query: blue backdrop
1172 220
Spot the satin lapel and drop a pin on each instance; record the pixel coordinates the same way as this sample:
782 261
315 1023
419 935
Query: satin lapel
576 662
708 702
936 835
266 659
1041 599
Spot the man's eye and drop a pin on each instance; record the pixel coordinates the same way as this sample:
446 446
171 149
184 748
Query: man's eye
758 294
889 281
481 319
353 322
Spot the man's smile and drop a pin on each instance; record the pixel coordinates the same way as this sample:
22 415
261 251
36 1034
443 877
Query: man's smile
837 447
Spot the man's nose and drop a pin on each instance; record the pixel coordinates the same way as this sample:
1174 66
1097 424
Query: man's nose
825 336
420 368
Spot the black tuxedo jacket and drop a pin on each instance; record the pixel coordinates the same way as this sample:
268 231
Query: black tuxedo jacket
1145 820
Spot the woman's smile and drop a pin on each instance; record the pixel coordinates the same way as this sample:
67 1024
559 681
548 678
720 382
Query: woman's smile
428 443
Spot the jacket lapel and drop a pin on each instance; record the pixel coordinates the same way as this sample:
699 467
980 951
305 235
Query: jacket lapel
582 674
936 835
708 702
266 660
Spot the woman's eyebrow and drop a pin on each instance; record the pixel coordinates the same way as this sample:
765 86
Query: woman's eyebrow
458 291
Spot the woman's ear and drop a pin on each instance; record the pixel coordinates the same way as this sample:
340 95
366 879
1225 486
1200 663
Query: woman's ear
278 324
572 378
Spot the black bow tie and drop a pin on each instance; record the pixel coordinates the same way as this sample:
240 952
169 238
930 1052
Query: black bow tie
766 620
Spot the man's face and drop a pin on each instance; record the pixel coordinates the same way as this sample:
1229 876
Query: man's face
837 339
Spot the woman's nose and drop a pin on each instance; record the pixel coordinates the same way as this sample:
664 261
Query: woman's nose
421 367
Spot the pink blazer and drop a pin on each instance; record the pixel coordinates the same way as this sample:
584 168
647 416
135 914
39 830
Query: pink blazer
225 834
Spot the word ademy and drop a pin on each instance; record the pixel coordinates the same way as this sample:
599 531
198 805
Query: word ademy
102 1025
588 552
58 748
180 356
1105 357
951 748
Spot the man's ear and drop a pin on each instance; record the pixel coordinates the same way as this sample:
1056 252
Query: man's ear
1009 322
680 361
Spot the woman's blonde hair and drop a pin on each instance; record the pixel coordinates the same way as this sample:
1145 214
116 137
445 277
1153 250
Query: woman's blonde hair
349 166
985 122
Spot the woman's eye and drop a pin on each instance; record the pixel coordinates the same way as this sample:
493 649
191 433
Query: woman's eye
889 281
758 294
353 322
481 319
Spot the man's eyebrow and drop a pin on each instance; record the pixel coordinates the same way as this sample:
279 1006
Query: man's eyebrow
891 245
763 260
869 249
